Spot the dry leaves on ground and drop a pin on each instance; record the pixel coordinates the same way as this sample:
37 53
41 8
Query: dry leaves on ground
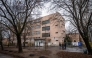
64 54
44 52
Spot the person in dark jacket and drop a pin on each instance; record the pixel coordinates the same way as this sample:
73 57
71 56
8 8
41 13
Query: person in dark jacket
64 45
60 45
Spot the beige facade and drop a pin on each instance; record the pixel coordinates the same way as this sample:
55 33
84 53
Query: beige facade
5 41
75 37
50 28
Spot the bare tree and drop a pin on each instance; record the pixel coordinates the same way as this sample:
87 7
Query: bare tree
2 29
8 37
80 12
25 33
1 37
15 14
24 36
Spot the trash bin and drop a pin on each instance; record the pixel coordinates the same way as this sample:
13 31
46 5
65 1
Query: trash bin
85 51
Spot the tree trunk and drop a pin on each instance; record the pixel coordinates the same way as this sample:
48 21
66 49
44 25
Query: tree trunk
24 40
9 41
8 44
19 43
88 46
1 44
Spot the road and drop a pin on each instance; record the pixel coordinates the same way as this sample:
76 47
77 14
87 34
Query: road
4 56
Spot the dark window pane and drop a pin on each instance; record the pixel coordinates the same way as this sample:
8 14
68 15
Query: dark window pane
37 32
32 27
56 25
46 22
45 34
46 28
56 32
56 40
38 26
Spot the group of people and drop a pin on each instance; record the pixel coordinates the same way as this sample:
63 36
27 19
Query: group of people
63 45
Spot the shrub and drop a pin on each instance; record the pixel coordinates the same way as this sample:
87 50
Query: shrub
90 44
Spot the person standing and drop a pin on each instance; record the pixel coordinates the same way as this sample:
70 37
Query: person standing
60 45
64 45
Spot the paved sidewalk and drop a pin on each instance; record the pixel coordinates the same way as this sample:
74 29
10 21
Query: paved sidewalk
69 49
37 51
75 49
5 56
57 49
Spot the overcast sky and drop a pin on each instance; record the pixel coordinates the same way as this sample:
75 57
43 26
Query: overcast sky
47 11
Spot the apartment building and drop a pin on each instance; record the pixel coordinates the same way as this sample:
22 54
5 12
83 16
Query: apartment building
49 29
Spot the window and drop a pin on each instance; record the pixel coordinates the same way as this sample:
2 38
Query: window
63 31
37 32
60 20
38 20
32 27
56 25
63 24
56 32
37 37
46 22
29 28
45 34
56 40
46 28
38 26
33 33
32 22
28 33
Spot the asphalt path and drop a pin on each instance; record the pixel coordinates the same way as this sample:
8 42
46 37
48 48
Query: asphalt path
4 56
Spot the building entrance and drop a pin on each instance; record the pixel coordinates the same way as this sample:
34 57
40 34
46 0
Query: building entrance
39 42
